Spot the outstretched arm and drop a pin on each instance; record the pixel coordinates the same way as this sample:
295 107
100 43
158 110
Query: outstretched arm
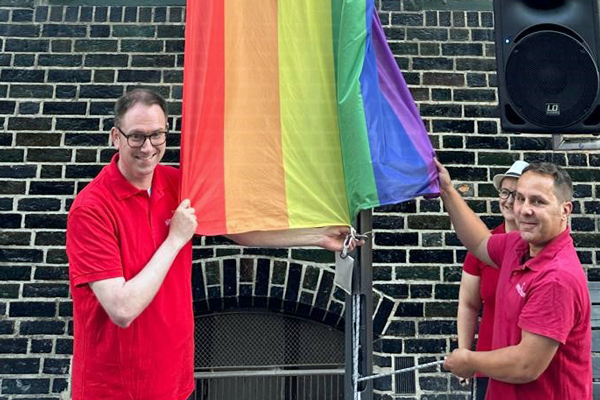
471 231
521 363
329 237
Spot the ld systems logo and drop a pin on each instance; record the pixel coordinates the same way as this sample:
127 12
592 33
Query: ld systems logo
552 109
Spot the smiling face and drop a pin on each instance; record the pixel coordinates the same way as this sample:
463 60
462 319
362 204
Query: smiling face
506 205
137 164
540 214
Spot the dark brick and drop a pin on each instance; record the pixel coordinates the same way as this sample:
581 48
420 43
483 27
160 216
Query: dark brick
12 187
8 291
46 221
14 238
101 91
20 255
106 60
482 35
51 273
486 142
32 139
64 107
18 171
52 187
79 139
397 239
77 76
436 222
531 143
15 273
398 291
25 386
19 30
433 383
441 309
22 75
400 329
47 327
56 366
41 346
133 31
32 309
427 34
61 46
49 155
142 46
459 157
405 309
421 291
26 123
422 346
443 79
170 31
475 64
148 76
431 256
389 256
99 31
60 60
156 61
454 126
462 49
64 346
63 30
432 63
388 222
406 19
26 45
477 95
401 48
420 272
65 91
78 124
13 346
96 45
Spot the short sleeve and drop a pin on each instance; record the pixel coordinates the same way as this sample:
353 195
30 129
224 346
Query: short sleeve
472 265
92 247
496 247
549 310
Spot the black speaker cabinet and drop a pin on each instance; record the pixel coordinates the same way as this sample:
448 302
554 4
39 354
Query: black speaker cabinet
547 57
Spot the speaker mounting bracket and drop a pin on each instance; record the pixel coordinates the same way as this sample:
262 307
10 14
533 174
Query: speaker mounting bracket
560 142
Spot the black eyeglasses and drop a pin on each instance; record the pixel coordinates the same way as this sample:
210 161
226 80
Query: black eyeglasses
137 139
505 194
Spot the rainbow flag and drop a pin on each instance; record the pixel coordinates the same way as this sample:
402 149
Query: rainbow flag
295 115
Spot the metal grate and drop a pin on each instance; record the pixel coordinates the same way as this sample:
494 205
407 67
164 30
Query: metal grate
251 339
276 385
405 382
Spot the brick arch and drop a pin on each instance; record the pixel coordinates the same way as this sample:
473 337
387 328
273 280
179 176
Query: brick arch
278 285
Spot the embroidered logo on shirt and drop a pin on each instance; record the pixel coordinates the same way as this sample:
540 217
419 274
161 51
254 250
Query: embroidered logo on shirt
168 222
520 290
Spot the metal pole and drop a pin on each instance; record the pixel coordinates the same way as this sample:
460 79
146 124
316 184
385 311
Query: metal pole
362 283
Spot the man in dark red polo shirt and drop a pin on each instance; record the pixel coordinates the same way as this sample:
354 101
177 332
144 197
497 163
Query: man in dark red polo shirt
542 329
130 259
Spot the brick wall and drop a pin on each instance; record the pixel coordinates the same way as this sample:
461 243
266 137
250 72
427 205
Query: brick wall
61 69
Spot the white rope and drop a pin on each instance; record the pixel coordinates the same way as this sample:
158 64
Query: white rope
356 322
416 367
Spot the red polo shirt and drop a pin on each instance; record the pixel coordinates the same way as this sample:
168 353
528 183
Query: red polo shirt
487 290
546 295
113 230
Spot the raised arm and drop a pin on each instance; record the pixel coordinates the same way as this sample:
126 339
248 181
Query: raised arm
471 231
124 300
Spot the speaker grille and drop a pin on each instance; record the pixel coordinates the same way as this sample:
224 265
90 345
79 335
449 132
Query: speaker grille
551 79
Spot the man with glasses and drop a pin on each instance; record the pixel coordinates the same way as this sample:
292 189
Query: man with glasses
130 258
541 348
479 280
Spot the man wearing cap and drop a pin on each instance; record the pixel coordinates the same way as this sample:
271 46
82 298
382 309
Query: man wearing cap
541 346
479 280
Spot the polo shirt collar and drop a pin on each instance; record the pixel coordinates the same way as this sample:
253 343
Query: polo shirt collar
124 189
549 251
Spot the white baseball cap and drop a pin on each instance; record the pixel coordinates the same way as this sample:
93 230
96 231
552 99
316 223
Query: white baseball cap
514 171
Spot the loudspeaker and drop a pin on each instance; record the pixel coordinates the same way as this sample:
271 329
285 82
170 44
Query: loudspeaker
547 59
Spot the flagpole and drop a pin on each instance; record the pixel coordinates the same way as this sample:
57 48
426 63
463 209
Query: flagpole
359 337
